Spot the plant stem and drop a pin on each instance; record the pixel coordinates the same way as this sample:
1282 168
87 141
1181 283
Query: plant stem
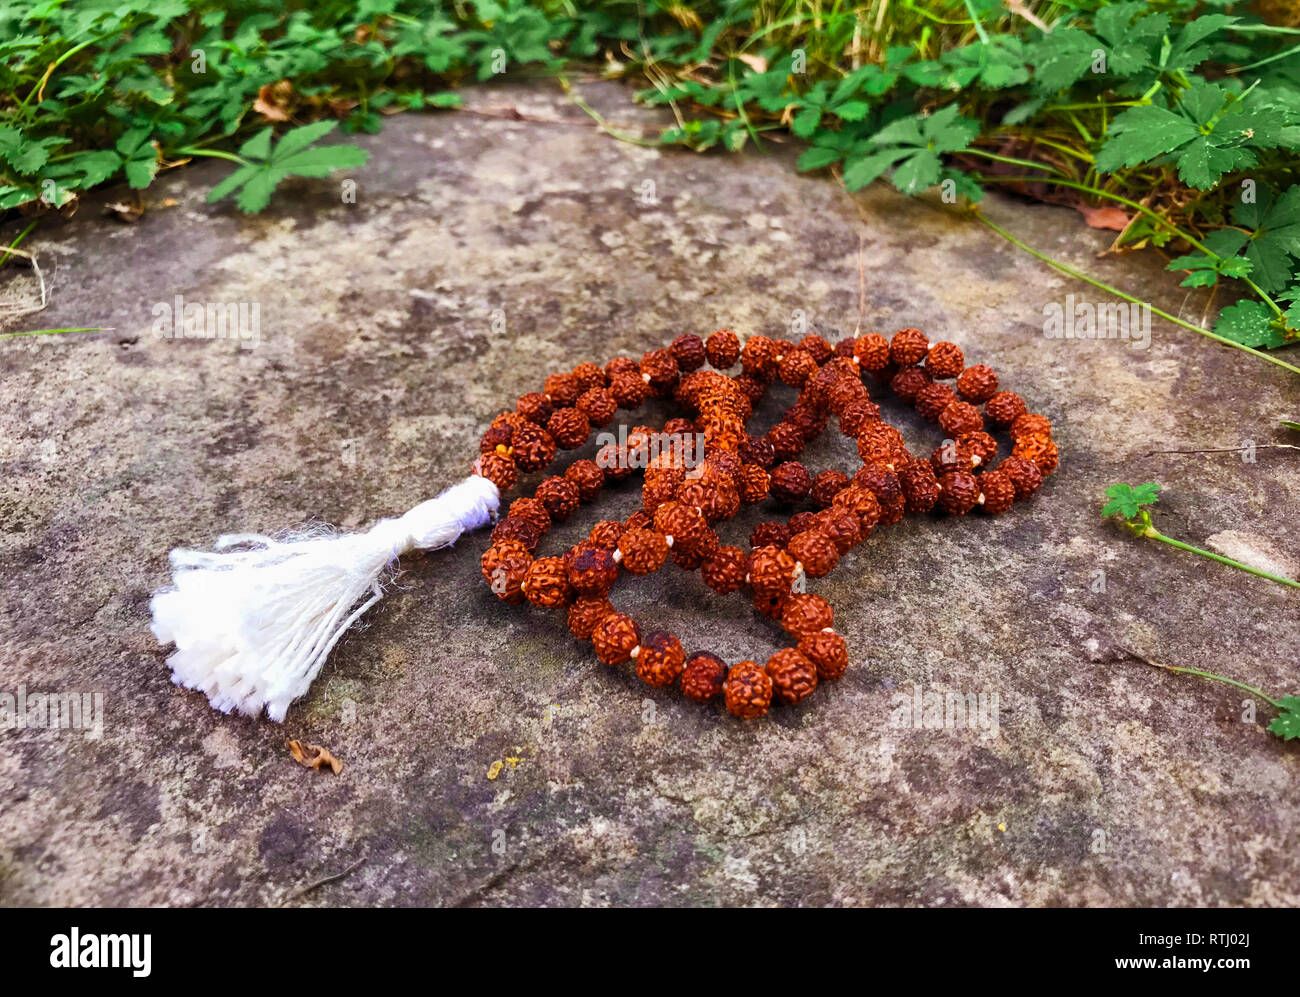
1154 534
44 332
1080 275
1181 670
190 150
15 244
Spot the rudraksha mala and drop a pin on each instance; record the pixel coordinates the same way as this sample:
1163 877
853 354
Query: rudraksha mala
682 498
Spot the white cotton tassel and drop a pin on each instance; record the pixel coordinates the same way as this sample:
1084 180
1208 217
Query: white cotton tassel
253 627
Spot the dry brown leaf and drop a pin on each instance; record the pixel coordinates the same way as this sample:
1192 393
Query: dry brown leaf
755 62
314 756
1107 217
125 212
274 101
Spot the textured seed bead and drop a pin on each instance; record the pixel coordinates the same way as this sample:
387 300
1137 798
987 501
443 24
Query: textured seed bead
997 491
771 572
660 368
758 358
562 389
944 360
703 676
827 652
855 416
585 612
1030 425
933 399
841 527
796 367
815 552
881 442
909 382
496 436
504 566
621 365
498 469
863 505
716 499
535 407
628 390
806 613
1040 450
547 583
920 486
908 347
786 441
872 351
560 496
959 418
643 551
521 531
800 521
951 456
722 349
748 690
977 384
615 638
1025 475
755 484
826 486
688 351
533 511
640 520
685 525
587 478
793 676
770 534
883 482
660 660
606 533
1004 408
589 376
593 571
533 447
959 492
981 445
791 482
656 489
817 348
725 571
598 405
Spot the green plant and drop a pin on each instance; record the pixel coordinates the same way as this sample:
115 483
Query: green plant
1285 725
1186 118
1130 504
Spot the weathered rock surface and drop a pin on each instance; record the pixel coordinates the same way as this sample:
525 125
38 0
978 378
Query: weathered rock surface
382 357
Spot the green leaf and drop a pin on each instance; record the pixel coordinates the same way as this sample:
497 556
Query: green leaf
1250 323
818 156
1127 501
259 146
918 172
862 171
1275 238
806 121
1141 134
1286 724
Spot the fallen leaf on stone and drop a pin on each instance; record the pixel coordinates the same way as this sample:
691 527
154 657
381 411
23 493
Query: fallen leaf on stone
314 756
273 101
123 211
1107 217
